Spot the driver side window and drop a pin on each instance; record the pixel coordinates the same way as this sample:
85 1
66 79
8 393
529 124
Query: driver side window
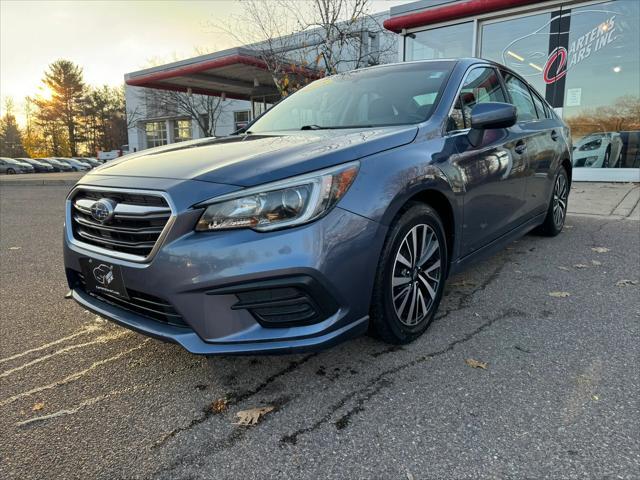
480 86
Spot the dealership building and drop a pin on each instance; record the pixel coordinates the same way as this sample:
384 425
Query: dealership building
584 57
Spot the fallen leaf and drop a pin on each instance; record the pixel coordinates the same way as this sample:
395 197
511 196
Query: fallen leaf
252 416
15 248
568 226
220 405
600 249
581 265
476 363
625 283
559 294
69 294
566 269
595 397
596 262
37 406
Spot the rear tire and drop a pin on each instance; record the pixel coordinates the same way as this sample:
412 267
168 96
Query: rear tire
410 277
557 211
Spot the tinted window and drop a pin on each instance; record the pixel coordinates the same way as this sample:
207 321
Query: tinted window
480 86
398 95
541 109
521 98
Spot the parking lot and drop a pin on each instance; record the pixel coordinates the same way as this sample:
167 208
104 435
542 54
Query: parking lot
555 320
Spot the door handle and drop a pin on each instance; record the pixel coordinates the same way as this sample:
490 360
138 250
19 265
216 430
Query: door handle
520 147
554 135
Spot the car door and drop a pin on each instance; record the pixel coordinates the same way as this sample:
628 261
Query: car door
541 135
493 172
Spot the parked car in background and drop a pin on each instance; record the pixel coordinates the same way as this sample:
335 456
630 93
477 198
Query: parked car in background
105 156
344 207
10 166
38 166
598 150
76 165
91 161
57 165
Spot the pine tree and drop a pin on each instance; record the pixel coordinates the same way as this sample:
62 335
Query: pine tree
10 134
65 82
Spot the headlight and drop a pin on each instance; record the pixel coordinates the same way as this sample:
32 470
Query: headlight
281 204
592 145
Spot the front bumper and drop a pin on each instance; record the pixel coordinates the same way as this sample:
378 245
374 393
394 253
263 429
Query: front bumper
200 275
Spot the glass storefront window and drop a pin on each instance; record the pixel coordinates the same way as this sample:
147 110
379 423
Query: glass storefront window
181 130
156 133
522 44
585 61
602 89
443 42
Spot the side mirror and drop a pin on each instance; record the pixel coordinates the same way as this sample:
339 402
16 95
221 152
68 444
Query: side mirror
491 115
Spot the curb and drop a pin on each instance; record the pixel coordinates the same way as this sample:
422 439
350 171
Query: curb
34 183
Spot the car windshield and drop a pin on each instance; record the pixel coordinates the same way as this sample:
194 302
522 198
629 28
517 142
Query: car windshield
384 96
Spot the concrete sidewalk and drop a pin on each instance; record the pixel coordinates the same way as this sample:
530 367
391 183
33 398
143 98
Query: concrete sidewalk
618 200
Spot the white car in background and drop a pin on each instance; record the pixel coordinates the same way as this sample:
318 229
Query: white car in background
598 150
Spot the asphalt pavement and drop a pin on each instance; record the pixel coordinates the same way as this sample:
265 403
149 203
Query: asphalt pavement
555 320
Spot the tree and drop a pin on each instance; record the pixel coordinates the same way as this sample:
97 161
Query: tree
104 120
64 82
343 34
332 36
10 134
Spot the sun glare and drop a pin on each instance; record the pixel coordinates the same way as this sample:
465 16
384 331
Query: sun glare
46 93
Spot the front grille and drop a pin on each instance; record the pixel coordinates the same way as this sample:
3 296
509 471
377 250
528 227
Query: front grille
138 221
143 304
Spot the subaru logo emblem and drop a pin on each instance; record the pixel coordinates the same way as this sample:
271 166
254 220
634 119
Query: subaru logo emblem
103 210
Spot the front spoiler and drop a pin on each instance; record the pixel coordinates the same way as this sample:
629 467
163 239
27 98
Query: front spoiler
190 341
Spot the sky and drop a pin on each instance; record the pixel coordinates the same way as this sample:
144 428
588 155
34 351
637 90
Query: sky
107 38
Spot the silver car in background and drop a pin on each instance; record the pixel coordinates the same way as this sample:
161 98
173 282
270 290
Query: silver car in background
598 150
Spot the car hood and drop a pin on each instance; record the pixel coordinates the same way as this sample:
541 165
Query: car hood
254 159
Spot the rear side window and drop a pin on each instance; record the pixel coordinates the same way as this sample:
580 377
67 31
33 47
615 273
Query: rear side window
541 108
480 86
521 98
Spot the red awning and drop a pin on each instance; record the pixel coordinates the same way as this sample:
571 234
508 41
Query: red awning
238 73
445 13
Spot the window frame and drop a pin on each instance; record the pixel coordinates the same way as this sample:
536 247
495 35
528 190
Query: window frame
504 70
164 129
176 130
459 90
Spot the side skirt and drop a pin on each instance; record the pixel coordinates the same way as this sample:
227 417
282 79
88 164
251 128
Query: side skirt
496 245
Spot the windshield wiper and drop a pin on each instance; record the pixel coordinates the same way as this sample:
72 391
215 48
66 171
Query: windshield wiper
313 127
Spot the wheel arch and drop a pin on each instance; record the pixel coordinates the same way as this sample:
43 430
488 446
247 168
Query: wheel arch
439 195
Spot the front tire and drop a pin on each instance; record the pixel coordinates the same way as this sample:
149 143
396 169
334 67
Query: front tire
410 277
557 211
11 171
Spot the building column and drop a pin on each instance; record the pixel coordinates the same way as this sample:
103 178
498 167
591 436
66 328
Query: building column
169 126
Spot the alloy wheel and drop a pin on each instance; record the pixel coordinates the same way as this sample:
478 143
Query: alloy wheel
560 193
416 275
